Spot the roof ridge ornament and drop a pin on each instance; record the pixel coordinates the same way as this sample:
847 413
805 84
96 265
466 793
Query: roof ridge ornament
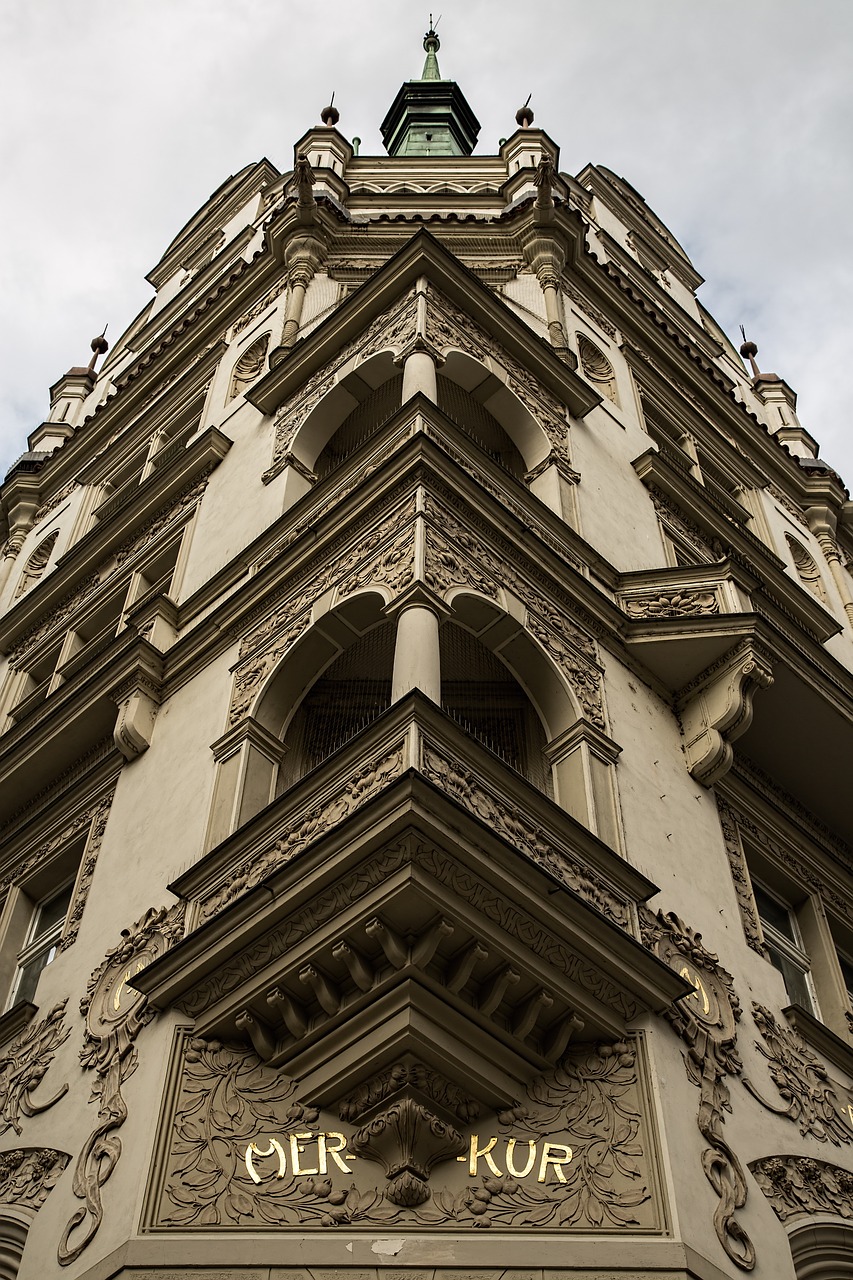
432 44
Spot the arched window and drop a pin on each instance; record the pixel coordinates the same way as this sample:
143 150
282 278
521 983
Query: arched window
597 368
348 696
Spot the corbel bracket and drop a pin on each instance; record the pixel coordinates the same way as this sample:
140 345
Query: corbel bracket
716 708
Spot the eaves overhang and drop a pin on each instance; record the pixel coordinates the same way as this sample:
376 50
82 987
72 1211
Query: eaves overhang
422 256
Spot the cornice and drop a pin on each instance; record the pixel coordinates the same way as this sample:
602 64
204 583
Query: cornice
421 256
86 555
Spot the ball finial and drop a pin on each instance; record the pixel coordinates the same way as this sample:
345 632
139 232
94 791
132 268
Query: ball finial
330 114
524 115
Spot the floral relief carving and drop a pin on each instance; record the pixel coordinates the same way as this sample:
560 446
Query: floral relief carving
394 567
448 326
706 1021
446 871
230 1105
445 568
584 679
385 331
24 1065
673 604
797 1185
115 1014
583 304
250 677
802 1080
29 1174
467 789
249 366
54 501
303 828
740 877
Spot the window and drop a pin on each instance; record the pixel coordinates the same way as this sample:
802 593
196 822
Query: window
43 938
784 947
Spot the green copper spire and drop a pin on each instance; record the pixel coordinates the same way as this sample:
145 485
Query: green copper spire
430 117
432 44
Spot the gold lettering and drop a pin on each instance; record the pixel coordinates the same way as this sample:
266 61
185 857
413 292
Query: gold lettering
699 989
254 1150
510 1154
131 973
476 1154
297 1149
555 1160
850 1111
325 1149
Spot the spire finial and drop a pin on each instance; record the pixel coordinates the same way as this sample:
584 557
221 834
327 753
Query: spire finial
524 115
432 44
100 347
749 351
330 114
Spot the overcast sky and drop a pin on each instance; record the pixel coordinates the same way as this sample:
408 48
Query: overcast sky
734 119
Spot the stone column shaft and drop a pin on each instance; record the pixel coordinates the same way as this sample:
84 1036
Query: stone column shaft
417 664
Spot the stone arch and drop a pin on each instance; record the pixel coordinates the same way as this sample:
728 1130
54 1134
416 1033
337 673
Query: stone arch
822 1250
597 368
367 381
298 716
14 1228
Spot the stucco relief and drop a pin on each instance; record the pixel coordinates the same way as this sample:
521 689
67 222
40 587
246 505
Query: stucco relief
115 1014
729 824
673 604
448 326
24 1065
29 1174
246 1151
447 871
388 330
802 1080
304 827
707 1023
797 1185
457 781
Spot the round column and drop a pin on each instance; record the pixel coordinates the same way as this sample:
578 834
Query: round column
417 664
419 375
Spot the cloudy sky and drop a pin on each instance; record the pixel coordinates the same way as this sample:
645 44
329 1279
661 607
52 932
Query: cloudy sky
734 119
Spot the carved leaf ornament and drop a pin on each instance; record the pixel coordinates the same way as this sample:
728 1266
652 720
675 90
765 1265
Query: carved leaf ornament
706 1020
115 1014
23 1067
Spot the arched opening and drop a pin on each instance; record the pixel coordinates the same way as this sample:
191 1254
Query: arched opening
480 693
822 1250
13 1237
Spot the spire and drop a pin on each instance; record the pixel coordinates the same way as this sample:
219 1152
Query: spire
430 117
432 44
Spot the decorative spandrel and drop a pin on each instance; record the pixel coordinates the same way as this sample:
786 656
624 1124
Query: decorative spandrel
23 1066
408 1149
706 1020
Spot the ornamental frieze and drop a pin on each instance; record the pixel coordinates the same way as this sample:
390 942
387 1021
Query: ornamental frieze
29 1174
410 1149
673 604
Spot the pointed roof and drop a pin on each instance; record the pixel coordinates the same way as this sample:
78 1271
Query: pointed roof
430 116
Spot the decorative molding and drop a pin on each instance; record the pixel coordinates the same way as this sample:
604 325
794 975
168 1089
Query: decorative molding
115 1014
583 304
37 563
54 501
501 911
23 1067
806 567
673 604
797 1185
716 708
457 781
802 1080
596 367
408 1140
353 792
708 548
248 367
260 307
29 1174
729 824
706 1020
789 504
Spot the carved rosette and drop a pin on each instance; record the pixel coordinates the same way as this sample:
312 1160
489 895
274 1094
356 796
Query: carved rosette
673 604
798 1185
115 1014
802 1080
706 1020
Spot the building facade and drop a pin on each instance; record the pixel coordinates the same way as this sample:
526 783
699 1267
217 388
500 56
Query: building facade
426 711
